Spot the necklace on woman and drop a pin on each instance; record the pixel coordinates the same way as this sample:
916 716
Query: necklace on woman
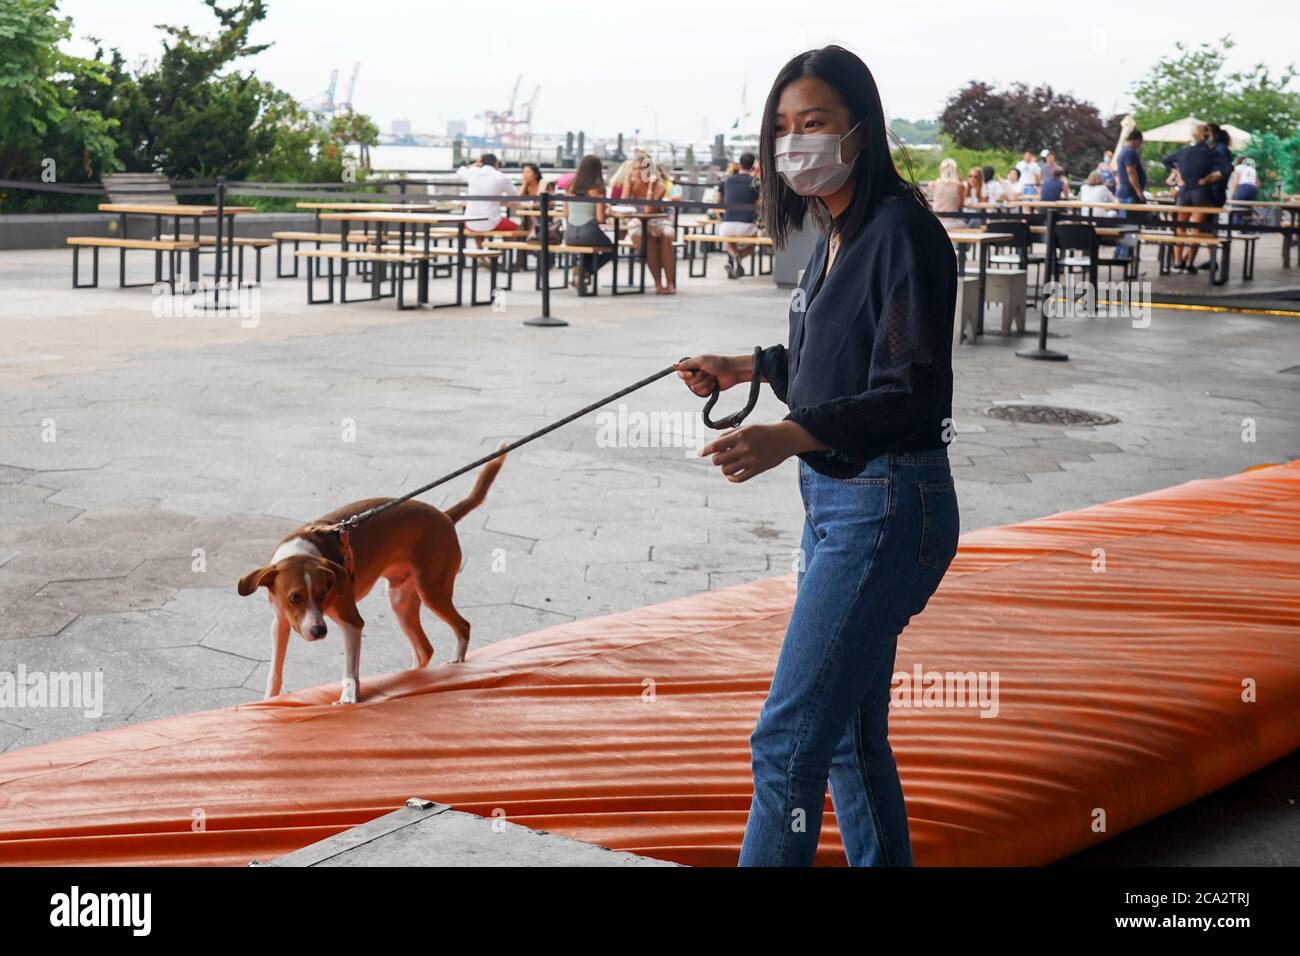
834 247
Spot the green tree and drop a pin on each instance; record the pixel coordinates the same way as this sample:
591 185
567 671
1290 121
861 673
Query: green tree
1278 162
199 116
44 131
1195 81
191 113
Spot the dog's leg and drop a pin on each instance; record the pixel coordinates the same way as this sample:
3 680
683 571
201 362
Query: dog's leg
405 601
351 692
343 610
279 641
436 595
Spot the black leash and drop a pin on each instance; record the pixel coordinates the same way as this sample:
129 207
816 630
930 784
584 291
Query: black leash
731 421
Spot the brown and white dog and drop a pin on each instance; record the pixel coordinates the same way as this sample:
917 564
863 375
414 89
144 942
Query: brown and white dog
412 545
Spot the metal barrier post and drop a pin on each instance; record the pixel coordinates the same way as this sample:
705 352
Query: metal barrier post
545 320
1043 353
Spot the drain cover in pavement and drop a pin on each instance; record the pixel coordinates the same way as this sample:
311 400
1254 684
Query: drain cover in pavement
1048 415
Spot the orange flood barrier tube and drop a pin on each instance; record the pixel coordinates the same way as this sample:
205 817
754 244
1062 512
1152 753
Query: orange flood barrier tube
1122 693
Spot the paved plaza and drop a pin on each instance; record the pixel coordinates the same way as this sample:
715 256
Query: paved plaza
147 462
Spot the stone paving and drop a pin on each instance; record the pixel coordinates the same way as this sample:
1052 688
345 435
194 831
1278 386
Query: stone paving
146 462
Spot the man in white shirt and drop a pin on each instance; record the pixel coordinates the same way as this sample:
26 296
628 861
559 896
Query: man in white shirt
1030 171
483 178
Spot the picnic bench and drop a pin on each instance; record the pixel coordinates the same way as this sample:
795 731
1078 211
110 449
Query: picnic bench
1166 241
149 195
170 247
565 253
706 241
396 277
421 242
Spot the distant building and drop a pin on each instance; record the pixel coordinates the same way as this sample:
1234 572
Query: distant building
401 127
456 129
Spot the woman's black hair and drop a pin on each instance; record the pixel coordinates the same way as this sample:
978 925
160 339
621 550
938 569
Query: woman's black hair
875 178
588 176
537 170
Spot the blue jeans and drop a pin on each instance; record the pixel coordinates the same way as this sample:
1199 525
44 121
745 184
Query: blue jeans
875 547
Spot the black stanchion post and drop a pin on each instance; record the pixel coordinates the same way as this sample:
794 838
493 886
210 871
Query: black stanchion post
1043 353
546 320
221 219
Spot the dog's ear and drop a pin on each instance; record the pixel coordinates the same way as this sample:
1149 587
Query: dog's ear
338 574
253 580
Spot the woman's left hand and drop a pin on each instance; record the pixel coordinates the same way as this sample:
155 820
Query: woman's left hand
745 452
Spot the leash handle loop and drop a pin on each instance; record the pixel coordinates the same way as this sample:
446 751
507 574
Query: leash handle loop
755 384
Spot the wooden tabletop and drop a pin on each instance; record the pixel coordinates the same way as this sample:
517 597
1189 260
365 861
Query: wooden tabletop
170 209
970 237
414 218
1107 232
1266 203
1132 206
376 206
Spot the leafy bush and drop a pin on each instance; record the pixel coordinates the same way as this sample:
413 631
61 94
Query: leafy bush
191 114
924 165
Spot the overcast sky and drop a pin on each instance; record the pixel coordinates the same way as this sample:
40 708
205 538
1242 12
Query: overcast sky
667 67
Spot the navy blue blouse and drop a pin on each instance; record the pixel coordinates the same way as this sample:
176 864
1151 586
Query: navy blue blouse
1197 161
869 366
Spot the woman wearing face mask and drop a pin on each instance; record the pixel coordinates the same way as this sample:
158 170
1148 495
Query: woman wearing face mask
867 375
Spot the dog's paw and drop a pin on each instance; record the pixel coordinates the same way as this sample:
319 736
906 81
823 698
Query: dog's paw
349 694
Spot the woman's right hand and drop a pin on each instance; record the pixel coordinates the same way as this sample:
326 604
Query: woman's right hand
703 373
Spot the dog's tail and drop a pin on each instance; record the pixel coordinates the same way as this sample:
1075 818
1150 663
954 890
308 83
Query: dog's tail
481 485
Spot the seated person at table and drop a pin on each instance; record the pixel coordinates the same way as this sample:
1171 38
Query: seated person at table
530 179
1096 190
1105 168
994 188
1056 188
582 227
1013 186
740 189
618 182
645 182
948 194
483 178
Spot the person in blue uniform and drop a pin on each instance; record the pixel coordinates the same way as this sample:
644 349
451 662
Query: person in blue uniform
1199 165
867 376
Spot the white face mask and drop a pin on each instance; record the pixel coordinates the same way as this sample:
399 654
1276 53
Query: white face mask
810 162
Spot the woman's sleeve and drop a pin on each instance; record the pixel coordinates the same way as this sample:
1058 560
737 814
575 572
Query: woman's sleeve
909 386
776 369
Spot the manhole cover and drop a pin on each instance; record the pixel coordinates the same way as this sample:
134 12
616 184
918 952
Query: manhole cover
1048 415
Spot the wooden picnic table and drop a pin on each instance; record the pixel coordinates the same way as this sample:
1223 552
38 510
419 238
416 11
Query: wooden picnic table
321 207
962 238
425 221
1166 212
642 215
1131 206
1291 207
176 212
373 206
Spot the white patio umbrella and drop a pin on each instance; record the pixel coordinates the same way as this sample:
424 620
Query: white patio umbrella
1240 138
1180 131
